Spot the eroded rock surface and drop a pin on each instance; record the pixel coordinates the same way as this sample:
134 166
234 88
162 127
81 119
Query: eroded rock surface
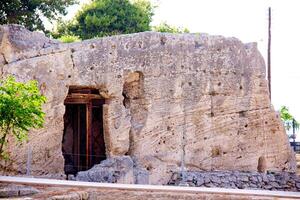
167 95
120 169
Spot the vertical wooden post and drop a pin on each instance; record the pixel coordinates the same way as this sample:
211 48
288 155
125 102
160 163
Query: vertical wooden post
294 133
79 162
269 54
88 134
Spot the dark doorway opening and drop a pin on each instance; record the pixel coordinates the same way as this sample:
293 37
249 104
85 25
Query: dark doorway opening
83 140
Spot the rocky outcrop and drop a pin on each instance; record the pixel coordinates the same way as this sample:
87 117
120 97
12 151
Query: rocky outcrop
17 43
283 181
12 190
115 170
169 98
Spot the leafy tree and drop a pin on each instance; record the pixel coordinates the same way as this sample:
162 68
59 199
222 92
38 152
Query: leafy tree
108 17
20 110
164 27
288 120
29 12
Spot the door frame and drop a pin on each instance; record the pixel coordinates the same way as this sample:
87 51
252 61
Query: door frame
85 96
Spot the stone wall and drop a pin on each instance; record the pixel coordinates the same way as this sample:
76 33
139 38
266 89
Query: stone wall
168 97
283 181
66 190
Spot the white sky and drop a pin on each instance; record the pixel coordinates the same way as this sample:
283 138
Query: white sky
246 20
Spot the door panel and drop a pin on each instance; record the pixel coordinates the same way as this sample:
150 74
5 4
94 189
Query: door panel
83 140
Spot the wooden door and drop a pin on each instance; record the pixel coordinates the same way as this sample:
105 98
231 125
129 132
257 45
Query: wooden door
83 141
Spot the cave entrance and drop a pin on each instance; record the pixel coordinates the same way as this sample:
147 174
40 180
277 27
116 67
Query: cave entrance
83 139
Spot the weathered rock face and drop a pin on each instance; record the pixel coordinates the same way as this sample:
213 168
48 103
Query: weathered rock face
119 169
169 97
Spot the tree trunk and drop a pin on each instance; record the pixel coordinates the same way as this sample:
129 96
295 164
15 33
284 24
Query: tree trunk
3 138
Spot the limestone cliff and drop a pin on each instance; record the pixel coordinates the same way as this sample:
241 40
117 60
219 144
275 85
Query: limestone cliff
169 97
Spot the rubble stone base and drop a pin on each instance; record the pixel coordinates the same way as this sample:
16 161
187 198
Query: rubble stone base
284 181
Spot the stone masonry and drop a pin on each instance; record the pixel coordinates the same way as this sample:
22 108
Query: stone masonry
168 97
282 181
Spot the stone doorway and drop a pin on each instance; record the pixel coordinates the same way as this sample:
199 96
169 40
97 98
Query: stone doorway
83 139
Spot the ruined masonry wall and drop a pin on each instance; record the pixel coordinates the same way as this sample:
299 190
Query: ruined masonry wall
159 88
282 181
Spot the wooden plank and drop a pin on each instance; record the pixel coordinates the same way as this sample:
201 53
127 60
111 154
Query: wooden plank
78 140
150 188
75 135
83 90
84 96
81 98
76 101
88 135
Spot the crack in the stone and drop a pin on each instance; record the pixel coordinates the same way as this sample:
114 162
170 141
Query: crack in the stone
36 56
72 59
2 67
257 109
5 60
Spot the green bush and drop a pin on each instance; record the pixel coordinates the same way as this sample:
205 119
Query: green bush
108 17
166 28
20 110
69 38
30 13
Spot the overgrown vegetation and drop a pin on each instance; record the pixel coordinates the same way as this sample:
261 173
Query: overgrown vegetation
108 17
112 17
69 38
20 110
29 13
289 121
166 28
98 18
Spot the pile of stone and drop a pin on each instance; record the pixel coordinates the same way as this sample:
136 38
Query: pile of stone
119 169
284 181
12 190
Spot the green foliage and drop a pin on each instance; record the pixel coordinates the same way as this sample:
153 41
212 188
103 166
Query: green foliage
69 38
108 17
166 28
29 12
288 119
285 114
20 110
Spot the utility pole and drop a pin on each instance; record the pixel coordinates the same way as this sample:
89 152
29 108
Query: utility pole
294 133
269 53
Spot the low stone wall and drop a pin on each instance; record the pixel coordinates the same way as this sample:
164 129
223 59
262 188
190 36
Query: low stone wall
235 179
